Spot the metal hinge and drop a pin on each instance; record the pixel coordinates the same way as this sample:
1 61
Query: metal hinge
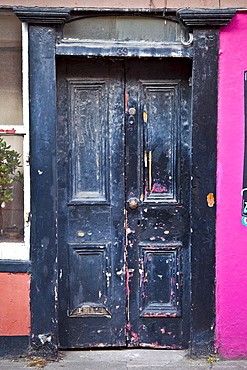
28 217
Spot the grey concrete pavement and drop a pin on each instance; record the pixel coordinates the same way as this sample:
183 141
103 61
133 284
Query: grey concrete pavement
130 359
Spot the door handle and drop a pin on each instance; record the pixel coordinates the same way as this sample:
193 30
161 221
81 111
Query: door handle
133 203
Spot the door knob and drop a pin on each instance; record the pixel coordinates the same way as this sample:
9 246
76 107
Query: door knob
132 111
133 203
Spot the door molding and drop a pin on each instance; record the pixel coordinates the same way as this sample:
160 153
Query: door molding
43 26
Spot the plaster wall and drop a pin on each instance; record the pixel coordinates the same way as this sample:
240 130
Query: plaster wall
14 303
174 4
231 248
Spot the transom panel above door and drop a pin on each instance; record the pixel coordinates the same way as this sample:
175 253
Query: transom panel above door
123 155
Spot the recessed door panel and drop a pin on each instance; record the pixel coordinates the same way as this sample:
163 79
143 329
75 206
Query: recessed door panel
123 144
89 136
89 263
160 136
160 288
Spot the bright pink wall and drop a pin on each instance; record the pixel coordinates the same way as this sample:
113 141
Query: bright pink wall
231 249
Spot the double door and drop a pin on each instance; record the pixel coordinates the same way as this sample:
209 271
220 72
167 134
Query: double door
123 159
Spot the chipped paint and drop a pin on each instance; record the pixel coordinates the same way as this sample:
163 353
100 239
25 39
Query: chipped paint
156 345
129 231
108 276
121 272
45 338
145 117
150 170
130 263
210 200
134 337
126 101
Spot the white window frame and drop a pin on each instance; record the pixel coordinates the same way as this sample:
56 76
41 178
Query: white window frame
20 251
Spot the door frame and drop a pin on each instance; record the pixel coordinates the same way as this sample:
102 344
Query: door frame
45 26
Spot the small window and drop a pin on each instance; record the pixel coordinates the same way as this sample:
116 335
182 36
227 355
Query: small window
14 141
11 189
10 71
122 29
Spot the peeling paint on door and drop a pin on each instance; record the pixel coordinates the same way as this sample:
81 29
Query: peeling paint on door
125 252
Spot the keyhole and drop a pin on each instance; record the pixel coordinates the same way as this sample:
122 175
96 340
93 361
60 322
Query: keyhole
131 120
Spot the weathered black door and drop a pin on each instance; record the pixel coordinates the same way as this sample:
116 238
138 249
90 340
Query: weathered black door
123 156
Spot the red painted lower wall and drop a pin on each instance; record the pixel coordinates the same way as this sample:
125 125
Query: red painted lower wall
15 304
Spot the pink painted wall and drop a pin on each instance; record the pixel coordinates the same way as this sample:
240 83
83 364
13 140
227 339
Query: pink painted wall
231 248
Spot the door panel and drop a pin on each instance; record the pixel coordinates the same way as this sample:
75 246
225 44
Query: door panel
123 144
160 140
91 203
89 139
158 177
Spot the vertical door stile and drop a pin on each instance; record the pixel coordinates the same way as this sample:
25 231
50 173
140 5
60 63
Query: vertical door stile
126 224
132 191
